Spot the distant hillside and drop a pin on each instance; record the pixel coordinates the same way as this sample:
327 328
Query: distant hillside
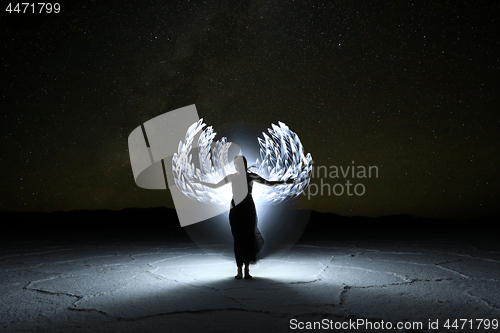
162 222
401 226
130 222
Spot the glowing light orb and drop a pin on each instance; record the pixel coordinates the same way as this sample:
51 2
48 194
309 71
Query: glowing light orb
281 158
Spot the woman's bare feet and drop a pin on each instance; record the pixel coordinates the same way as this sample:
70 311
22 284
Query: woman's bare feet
247 272
239 275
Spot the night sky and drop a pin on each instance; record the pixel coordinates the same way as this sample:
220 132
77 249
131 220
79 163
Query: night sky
409 86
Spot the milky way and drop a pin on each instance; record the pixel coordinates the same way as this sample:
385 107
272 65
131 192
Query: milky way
408 86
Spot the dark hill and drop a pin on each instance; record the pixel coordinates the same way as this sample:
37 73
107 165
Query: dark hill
161 223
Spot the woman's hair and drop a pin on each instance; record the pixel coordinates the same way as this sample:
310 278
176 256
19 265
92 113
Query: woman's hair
254 166
244 161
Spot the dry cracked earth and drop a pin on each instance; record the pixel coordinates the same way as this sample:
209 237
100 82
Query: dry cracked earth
174 286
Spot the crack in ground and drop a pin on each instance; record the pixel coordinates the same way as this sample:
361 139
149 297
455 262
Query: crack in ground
125 319
342 295
402 283
454 271
439 264
402 277
199 286
489 304
305 282
43 291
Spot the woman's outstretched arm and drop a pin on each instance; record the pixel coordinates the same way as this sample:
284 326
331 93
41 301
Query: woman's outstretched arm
260 180
212 185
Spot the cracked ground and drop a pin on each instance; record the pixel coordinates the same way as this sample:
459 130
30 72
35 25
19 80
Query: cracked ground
174 286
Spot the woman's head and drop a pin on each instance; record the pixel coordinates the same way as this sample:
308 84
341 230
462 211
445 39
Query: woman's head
240 163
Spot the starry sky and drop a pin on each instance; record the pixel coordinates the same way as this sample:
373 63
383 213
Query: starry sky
408 86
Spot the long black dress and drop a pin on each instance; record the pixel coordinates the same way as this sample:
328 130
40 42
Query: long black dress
243 220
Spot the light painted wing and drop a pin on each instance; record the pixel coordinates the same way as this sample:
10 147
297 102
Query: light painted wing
213 166
282 157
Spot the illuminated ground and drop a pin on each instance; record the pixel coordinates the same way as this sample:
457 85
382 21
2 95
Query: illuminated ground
173 286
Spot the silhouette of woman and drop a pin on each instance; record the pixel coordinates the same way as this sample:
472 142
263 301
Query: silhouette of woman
243 216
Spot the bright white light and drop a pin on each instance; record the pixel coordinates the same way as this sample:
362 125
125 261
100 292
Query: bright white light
281 158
